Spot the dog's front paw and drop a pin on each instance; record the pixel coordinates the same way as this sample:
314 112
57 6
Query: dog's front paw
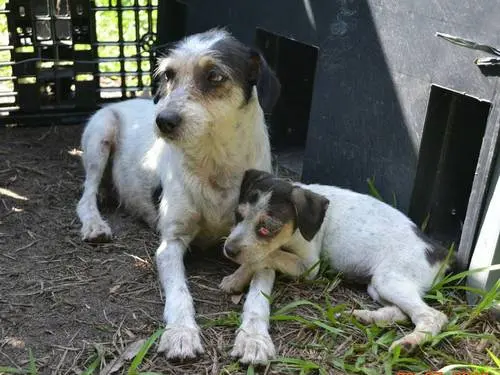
232 284
96 231
253 347
180 342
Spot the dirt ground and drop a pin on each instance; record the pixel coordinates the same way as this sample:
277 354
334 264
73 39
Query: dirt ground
65 300
62 298
59 296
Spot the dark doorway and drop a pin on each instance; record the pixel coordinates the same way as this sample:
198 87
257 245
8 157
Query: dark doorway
453 133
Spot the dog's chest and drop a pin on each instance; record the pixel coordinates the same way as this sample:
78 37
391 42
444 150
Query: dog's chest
216 207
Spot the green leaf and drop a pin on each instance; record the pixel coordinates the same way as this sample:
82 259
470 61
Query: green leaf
11 370
143 351
295 304
32 364
494 358
95 363
373 190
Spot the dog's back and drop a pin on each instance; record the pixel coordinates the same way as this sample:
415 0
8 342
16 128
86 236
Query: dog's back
361 233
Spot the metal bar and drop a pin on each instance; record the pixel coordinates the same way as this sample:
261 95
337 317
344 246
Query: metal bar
126 7
115 74
137 41
6 94
8 109
122 53
117 89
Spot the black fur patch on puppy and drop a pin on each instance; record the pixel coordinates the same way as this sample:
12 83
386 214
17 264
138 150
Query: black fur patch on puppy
288 203
435 252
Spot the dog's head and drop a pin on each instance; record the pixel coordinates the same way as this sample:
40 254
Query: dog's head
208 83
269 212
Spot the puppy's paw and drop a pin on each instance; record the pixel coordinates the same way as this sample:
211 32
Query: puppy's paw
180 342
364 316
96 231
409 342
232 284
253 347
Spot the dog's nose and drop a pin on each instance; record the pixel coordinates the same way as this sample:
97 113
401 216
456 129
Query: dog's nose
231 251
168 121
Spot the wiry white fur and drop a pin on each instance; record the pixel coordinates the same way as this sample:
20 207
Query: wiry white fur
126 130
364 239
200 173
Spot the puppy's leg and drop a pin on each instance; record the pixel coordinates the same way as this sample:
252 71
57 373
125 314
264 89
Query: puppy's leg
288 263
404 293
238 280
386 314
97 140
283 261
253 343
181 338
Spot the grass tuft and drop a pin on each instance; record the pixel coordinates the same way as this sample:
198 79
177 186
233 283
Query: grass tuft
137 361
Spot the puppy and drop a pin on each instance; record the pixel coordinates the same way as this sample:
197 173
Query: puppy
289 226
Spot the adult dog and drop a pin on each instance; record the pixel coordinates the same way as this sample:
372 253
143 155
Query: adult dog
194 143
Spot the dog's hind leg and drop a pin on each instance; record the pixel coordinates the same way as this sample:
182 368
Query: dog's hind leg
402 292
386 314
97 142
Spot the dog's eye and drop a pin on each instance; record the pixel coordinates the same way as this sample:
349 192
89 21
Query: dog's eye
169 74
215 77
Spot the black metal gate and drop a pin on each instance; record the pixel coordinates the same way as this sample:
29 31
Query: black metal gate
59 59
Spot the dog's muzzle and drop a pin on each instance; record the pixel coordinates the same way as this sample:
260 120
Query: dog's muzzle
168 122
231 251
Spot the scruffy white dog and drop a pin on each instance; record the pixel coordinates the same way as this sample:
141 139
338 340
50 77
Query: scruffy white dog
289 226
194 145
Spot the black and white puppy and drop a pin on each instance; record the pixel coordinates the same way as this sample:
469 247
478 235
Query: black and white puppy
289 226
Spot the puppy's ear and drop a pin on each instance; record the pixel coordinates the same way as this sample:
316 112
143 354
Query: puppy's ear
268 85
311 209
250 178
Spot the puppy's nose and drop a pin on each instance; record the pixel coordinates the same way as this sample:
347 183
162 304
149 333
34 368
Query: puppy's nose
168 121
231 251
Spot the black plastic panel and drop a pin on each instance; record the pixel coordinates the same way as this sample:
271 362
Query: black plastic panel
65 57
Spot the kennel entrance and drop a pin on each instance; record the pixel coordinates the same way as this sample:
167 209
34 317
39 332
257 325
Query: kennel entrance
295 66
453 134
59 59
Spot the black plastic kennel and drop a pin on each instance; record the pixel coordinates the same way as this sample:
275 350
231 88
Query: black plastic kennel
61 58
369 90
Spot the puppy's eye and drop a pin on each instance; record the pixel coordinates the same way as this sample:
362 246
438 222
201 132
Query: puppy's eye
263 232
169 74
215 77
268 227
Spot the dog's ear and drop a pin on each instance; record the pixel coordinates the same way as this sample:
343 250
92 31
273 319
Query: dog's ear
311 209
249 181
268 85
